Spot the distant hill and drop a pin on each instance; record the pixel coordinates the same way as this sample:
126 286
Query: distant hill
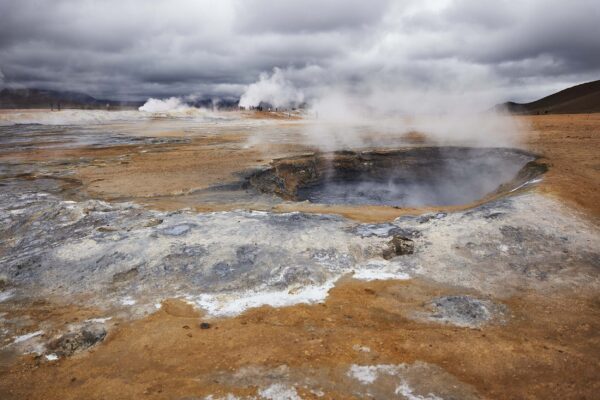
225 103
579 99
42 98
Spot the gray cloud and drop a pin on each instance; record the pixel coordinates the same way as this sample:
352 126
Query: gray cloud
135 49
258 16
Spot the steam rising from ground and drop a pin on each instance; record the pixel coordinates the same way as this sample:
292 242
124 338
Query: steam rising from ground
275 90
382 108
166 105
444 176
349 109
172 108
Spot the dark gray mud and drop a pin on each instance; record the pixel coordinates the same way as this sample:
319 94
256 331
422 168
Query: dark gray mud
410 177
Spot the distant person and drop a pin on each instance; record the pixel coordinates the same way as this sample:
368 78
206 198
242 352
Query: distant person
58 107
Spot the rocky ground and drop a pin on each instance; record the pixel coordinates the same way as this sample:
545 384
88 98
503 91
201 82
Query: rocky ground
125 274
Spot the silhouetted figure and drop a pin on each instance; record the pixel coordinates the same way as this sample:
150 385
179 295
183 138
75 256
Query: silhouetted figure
58 107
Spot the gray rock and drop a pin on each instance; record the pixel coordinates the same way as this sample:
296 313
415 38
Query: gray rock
74 342
176 230
464 311
125 275
399 246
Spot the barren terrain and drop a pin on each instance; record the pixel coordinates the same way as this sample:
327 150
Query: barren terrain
139 240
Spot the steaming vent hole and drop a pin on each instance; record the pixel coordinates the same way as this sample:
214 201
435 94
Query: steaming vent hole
410 177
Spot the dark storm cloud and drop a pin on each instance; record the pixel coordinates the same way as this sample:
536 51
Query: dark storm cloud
256 16
135 49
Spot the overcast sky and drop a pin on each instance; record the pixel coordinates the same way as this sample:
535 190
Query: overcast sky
133 49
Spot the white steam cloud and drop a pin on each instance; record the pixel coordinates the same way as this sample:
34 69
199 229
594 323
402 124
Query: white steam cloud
275 90
164 106
448 105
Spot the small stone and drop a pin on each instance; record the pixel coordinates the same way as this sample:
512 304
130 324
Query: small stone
464 311
399 246
125 276
204 325
153 222
106 228
185 327
177 230
75 342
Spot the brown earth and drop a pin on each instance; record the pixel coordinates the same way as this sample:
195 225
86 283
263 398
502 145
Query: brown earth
579 99
571 146
549 349
272 115
161 175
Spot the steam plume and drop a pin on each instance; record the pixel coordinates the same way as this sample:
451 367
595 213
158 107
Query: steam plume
274 89
166 105
450 107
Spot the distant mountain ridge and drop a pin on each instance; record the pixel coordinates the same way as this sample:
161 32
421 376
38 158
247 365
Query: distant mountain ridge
578 99
43 98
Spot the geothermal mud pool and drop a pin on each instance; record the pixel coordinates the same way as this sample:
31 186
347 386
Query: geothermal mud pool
117 262
410 177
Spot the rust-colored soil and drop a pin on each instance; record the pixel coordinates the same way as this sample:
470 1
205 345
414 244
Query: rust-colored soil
162 175
174 170
571 146
548 348
283 115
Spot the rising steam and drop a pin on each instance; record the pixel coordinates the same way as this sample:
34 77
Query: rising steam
452 106
163 106
275 90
